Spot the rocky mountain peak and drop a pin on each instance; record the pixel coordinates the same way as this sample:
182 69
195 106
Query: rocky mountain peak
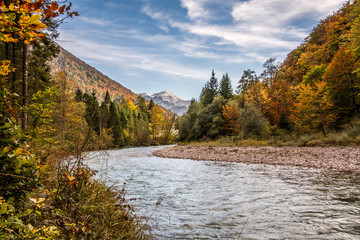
169 101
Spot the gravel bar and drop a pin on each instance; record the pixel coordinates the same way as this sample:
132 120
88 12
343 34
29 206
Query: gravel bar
331 158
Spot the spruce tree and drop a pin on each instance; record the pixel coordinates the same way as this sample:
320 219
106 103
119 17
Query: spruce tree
107 98
78 95
210 90
225 87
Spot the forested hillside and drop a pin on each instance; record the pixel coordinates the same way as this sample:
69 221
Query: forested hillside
87 78
46 190
315 90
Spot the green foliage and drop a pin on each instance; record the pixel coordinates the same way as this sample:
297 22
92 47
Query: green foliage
251 121
247 80
225 89
18 167
210 90
314 75
284 122
202 121
343 85
270 71
186 123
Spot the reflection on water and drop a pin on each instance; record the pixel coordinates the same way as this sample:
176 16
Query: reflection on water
188 199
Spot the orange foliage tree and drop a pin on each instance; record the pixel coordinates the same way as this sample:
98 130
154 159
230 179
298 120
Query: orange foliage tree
343 85
280 101
231 115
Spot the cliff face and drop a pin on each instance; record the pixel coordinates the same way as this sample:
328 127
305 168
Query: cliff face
169 101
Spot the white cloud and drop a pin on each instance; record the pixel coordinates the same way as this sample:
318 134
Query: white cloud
279 12
238 36
158 15
95 21
128 58
195 8
257 24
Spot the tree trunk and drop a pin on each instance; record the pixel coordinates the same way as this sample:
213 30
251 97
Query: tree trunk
7 57
7 51
14 64
24 117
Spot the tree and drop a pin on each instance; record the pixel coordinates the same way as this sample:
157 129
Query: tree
313 108
104 113
210 90
168 134
225 87
280 99
92 111
231 115
270 71
209 122
258 96
114 125
344 85
143 133
71 132
22 21
156 120
141 104
247 80
107 98
251 121
78 95
186 123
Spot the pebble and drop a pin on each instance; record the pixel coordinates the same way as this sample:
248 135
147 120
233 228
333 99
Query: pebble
335 158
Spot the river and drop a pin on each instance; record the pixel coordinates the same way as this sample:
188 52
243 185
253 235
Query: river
186 199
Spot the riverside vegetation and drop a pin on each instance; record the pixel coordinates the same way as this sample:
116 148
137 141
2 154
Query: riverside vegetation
47 192
311 99
47 129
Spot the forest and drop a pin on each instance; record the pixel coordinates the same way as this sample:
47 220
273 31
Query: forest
48 127
312 98
87 78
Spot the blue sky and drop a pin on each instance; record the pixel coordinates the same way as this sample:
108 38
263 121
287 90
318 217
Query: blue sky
155 45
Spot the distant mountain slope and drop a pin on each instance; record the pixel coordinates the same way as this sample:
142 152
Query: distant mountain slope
169 101
88 79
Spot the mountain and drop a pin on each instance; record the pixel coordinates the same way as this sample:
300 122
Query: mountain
88 79
169 101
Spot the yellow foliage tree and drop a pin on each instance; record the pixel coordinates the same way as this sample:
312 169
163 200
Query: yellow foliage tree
258 96
156 120
280 101
313 108
231 114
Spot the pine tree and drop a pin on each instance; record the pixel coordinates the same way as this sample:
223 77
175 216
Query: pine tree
78 95
210 90
107 98
92 111
225 87
114 125
141 104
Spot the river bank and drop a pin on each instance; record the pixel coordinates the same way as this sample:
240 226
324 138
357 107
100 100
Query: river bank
331 158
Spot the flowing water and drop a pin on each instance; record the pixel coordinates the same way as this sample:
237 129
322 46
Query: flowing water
186 199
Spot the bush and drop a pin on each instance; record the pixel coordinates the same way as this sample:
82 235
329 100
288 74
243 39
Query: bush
251 121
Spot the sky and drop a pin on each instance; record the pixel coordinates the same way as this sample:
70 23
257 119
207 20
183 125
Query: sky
156 45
